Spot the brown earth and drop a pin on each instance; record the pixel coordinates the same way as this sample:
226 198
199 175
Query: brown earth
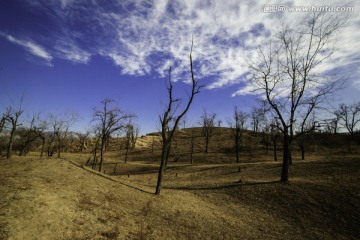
58 199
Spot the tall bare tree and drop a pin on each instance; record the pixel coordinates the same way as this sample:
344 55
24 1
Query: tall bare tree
237 124
170 119
287 74
207 123
350 115
108 120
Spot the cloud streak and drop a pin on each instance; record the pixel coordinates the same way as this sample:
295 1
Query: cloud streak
30 46
145 37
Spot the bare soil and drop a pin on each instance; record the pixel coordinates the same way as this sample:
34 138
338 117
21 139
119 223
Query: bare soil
59 199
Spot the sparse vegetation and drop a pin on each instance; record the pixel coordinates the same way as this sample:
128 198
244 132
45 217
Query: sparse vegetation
228 189
319 202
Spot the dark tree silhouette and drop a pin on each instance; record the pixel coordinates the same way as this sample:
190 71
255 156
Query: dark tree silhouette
170 120
350 115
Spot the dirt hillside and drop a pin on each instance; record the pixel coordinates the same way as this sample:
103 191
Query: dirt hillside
56 199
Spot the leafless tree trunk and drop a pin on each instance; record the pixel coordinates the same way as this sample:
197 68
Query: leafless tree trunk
302 137
266 138
350 115
131 135
28 136
82 139
109 120
184 122
3 121
237 124
287 75
4 118
275 135
336 121
257 117
208 125
13 119
60 126
192 145
168 117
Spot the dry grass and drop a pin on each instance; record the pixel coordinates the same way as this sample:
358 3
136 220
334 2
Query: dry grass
55 199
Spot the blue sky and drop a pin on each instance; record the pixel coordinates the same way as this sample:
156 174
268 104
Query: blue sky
70 54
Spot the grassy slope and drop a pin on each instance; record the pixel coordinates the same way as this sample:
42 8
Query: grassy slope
54 199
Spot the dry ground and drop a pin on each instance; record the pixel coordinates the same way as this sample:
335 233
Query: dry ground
57 199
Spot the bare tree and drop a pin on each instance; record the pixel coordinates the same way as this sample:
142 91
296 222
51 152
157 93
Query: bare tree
257 117
336 120
83 137
237 124
303 135
13 120
4 118
40 129
3 122
275 136
94 153
109 120
192 145
50 142
350 115
266 137
184 122
131 135
28 135
170 120
208 125
287 74
60 126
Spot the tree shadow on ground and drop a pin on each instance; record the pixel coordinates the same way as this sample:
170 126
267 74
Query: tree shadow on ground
223 186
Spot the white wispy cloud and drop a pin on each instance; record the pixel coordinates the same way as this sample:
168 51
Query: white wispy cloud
30 46
65 3
68 50
144 37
